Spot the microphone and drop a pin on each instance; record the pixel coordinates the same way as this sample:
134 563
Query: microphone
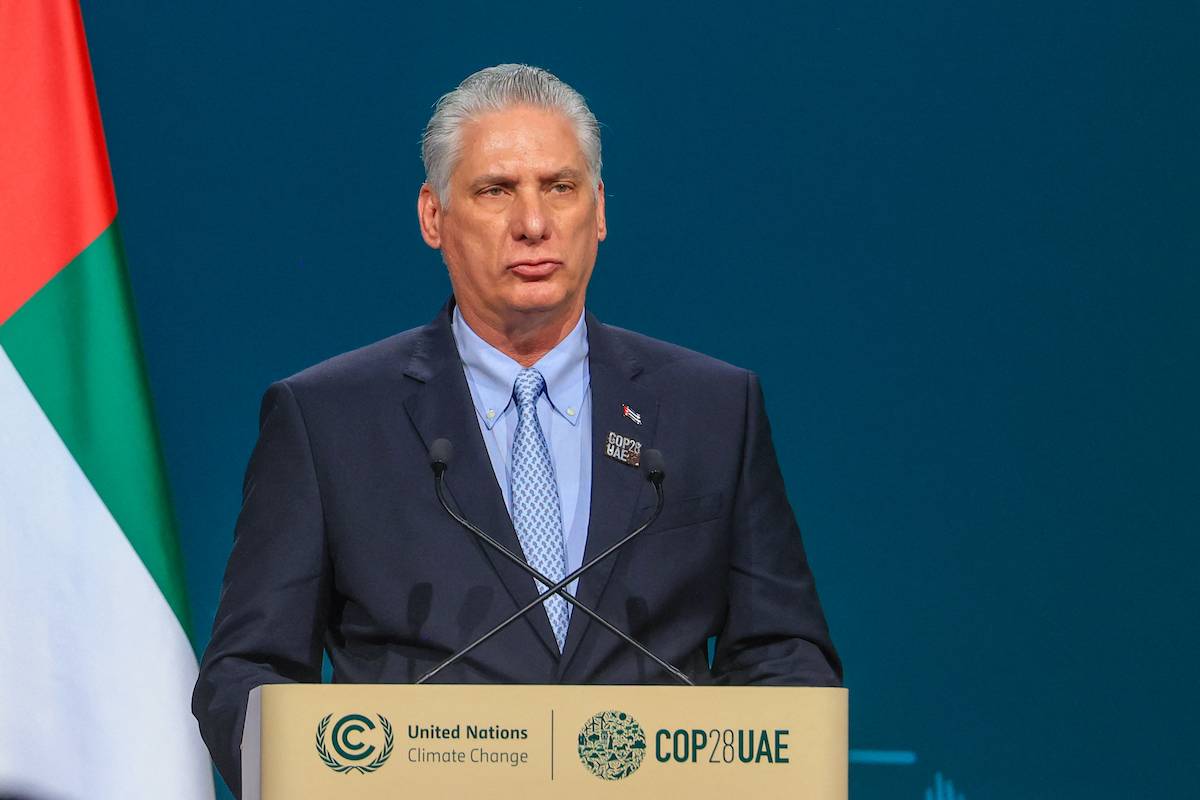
652 465
440 452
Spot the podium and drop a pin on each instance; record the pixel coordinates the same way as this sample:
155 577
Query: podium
365 742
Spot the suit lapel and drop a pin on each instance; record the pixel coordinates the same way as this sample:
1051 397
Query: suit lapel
442 408
617 489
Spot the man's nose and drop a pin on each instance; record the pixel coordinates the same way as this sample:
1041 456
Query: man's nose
529 219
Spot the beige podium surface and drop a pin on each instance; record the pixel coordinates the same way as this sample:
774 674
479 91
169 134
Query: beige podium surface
402 741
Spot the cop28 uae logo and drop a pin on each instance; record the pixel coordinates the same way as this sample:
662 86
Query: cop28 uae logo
612 745
348 742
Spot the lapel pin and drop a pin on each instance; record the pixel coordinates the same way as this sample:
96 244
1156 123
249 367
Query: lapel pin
623 449
633 415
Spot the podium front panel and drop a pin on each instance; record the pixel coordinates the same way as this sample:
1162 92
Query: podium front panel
391 741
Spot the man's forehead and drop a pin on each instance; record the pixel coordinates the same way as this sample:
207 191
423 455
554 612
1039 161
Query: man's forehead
520 138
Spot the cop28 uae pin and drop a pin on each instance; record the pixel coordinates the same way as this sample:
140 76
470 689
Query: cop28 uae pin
623 449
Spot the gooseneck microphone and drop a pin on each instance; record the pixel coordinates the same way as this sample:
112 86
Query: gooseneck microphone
440 452
439 456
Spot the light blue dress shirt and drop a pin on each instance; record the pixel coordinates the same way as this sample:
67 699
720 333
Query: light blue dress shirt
564 412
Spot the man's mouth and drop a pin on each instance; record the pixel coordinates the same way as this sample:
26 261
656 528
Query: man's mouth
534 269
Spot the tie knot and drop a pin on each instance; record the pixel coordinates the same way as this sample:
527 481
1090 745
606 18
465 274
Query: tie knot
528 386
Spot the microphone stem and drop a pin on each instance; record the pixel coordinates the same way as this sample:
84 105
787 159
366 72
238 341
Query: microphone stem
558 588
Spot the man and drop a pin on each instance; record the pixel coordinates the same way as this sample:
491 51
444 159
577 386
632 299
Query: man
342 546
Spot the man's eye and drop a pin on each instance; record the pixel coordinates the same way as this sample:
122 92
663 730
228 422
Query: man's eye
561 188
492 191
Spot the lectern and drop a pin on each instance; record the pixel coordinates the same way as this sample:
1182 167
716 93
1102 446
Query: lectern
528 742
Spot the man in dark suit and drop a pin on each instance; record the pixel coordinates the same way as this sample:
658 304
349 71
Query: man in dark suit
342 547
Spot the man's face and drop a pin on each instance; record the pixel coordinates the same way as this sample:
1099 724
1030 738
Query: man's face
520 234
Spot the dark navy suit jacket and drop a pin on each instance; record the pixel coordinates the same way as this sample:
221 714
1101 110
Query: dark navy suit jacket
341 544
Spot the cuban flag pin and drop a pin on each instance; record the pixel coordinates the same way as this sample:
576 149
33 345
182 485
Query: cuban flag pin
633 415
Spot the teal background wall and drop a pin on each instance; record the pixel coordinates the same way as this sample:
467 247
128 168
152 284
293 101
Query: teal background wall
958 241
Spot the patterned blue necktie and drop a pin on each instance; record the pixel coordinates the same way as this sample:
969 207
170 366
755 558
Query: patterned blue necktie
536 513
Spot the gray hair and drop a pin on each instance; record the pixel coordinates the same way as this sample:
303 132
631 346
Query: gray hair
495 89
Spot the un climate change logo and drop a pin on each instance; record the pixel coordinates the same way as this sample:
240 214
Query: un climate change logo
347 742
612 745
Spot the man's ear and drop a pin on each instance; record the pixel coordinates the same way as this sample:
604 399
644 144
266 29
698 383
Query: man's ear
601 225
429 215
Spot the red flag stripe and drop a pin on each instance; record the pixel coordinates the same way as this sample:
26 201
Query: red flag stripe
56 192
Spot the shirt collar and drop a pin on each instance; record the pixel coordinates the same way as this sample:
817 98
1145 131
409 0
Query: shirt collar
492 373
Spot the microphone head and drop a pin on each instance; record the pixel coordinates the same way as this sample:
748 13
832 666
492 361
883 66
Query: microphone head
653 466
440 453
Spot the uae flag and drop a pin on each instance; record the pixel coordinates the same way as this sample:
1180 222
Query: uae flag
96 668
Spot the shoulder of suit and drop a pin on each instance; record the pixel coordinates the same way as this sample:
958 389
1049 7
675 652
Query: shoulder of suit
658 358
384 362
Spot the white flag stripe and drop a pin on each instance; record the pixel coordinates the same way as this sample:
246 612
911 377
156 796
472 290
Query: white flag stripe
95 671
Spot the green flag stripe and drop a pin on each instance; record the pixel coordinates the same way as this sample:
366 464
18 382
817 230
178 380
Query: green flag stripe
76 346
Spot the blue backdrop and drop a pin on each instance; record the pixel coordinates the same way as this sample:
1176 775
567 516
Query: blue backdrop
967 232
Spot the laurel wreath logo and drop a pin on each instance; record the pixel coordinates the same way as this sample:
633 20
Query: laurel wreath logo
337 766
